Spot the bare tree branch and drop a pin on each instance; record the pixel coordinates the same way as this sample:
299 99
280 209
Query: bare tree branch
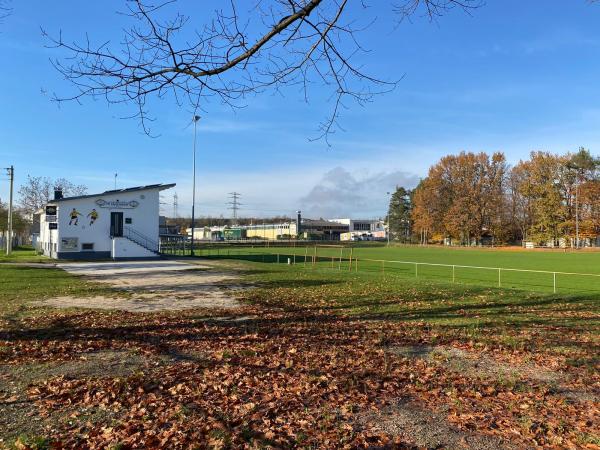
434 8
5 9
238 52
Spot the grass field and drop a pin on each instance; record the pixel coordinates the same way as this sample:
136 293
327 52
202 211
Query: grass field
317 357
22 254
19 286
483 271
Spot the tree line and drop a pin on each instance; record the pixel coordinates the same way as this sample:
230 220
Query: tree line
478 198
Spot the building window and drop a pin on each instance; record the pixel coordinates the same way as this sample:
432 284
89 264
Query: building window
362 227
128 220
87 246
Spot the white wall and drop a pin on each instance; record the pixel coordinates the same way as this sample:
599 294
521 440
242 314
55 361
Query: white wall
124 248
48 238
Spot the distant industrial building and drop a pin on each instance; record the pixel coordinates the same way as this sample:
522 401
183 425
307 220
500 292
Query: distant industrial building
363 229
310 229
300 229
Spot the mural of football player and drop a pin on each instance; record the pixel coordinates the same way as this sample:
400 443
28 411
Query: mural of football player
93 215
74 217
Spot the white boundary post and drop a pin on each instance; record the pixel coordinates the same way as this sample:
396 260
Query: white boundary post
454 266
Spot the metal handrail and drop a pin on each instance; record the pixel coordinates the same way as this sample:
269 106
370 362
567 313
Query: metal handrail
140 239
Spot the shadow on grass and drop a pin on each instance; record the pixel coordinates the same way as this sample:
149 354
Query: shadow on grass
324 329
452 308
161 333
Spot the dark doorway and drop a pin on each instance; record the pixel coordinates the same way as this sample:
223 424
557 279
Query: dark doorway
116 224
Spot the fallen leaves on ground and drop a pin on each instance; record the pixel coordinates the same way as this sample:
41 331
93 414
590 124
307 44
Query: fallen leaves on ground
280 379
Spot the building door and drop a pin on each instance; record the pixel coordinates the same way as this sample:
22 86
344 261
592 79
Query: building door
116 224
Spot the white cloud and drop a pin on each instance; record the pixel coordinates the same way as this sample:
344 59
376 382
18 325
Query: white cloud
341 193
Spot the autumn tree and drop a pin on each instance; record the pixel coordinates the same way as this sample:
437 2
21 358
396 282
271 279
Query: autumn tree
235 51
423 212
468 196
589 198
580 169
463 198
519 202
37 191
544 188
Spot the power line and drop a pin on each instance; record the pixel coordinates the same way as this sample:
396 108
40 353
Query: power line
235 204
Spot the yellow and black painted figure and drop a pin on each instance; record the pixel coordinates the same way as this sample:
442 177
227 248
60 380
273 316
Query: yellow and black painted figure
74 217
93 215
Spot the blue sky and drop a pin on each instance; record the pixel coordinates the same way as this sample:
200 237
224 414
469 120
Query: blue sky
513 76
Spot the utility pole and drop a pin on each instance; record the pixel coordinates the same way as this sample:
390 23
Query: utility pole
195 119
11 175
235 205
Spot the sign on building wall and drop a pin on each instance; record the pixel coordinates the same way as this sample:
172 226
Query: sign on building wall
50 213
69 244
53 226
116 204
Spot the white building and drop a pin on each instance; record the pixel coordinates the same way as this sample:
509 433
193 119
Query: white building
118 224
362 229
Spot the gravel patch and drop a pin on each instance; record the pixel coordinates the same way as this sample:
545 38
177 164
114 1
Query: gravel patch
427 429
153 286
485 367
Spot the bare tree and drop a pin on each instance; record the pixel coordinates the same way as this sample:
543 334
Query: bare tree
237 52
5 10
38 191
434 9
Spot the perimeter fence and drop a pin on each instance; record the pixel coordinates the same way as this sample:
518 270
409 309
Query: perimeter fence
344 259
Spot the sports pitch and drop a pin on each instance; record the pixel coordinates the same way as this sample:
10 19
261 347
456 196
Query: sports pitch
544 271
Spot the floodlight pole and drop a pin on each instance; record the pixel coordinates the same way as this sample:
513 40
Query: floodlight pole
195 119
577 212
388 219
11 174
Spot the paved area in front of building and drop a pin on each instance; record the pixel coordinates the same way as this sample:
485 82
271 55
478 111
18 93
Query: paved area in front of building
153 286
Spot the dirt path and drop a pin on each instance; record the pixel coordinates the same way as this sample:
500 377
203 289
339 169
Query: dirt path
153 286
